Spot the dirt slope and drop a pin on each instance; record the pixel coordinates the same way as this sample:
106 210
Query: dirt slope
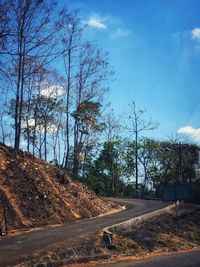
31 193
158 235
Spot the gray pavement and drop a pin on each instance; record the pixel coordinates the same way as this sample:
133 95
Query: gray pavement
189 259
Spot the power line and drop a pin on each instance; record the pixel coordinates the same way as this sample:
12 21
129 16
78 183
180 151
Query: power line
191 114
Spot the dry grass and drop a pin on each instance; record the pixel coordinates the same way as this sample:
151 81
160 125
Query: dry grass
159 235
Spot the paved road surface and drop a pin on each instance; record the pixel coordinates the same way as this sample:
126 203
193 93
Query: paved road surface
15 249
191 259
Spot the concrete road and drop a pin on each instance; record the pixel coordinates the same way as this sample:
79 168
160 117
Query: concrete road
190 259
16 249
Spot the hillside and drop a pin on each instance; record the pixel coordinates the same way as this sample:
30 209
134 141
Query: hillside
31 193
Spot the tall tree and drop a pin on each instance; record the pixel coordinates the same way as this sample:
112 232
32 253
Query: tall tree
92 71
137 125
4 32
71 42
112 126
31 37
88 117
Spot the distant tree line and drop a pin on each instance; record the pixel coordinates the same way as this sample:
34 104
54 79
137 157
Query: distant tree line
113 172
53 89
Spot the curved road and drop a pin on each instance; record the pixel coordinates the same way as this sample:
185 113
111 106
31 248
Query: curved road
189 259
16 249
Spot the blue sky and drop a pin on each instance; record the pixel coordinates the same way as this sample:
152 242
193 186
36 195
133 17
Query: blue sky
154 46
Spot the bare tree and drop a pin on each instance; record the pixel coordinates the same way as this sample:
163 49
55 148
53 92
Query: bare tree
112 126
31 38
92 72
4 33
42 105
3 22
5 133
111 131
137 125
86 69
71 42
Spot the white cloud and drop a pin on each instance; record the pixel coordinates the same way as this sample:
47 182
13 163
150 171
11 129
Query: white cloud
113 25
120 33
196 34
96 24
52 91
190 131
51 128
95 21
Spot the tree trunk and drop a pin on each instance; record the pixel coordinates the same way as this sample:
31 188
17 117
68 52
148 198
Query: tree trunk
28 136
67 104
40 145
45 141
76 152
21 100
17 102
136 163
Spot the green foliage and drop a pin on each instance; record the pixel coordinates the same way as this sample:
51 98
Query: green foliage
111 173
104 173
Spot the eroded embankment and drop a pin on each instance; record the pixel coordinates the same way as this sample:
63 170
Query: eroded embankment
34 193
